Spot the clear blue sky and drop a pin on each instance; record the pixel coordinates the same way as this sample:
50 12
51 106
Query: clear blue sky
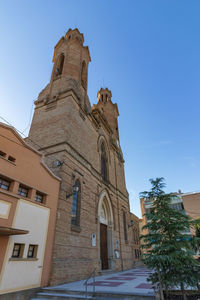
147 52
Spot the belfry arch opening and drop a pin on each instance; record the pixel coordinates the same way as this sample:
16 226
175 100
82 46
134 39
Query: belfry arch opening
84 75
105 216
59 65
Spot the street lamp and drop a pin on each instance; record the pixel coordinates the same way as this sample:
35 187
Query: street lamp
75 190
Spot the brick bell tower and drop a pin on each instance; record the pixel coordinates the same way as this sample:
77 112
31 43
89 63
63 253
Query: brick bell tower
71 60
69 77
109 110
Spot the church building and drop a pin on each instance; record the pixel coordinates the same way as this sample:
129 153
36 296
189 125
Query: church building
81 146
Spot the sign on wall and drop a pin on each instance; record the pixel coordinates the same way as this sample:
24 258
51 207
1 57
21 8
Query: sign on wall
117 255
93 240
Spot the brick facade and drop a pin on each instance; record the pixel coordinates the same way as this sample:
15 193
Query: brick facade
191 202
70 134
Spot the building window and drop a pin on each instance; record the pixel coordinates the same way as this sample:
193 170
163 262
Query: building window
18 250
4 184
125 229
23 191
148 211
12 159
39 197
32 251
134 235
76 203
137 237
104 171
2 154
177 206
84 75
59 65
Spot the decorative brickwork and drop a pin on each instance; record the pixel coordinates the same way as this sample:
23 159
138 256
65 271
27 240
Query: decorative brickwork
67 130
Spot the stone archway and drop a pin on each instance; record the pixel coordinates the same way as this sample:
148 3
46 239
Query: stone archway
105 218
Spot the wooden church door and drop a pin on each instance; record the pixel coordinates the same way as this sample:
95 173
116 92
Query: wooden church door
103 246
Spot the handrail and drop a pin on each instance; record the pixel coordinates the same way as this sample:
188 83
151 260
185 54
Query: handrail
92 274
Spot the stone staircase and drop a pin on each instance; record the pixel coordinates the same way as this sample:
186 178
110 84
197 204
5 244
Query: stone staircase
49 293
140 264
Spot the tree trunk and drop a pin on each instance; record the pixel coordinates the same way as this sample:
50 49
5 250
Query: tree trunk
183 292
161 288
167 291
198 287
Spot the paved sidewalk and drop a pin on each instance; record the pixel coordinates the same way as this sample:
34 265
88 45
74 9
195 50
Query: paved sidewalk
128 282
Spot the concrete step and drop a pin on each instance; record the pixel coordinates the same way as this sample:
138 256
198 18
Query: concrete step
73 295
140 264
106 272
60 296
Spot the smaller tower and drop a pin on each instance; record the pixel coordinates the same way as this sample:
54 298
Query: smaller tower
104 95
108 109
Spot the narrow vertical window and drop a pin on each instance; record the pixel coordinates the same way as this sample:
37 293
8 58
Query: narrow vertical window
104 171
135 254
76 201
59 65
125 229
138 239
134 235
84 75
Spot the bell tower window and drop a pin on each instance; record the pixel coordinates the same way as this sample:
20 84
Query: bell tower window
104 170
59 65
84 75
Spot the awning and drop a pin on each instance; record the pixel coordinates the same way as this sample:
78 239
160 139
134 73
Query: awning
11 231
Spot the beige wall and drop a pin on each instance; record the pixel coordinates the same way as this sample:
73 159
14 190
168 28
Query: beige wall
191 204
135 231
34 218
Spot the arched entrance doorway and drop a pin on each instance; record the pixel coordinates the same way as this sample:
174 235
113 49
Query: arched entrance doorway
105 217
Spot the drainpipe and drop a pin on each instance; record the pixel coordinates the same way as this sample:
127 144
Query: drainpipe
120 246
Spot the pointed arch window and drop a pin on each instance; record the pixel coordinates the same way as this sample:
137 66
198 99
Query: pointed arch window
84 75
76 203
59 65
104 168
